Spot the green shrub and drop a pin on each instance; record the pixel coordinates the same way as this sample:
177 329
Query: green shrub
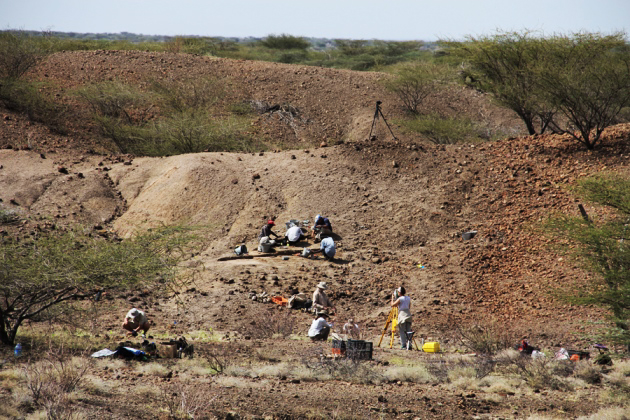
285 42
128 138
186 132
190 132
414 82
447 130
241 108
25 97
19 53
8 216
116 100
187 95
292 56
190 45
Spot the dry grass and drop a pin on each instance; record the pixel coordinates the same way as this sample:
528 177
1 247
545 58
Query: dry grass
588 372
500 384
623 367
147 392
109 363
197 366
236 382
10 378
609 413
94 385
416 374
187 401
152 369
463 377
8 412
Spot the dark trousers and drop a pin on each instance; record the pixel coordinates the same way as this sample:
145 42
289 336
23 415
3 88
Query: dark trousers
323 334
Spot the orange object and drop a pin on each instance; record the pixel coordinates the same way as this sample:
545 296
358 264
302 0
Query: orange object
279 300
575 358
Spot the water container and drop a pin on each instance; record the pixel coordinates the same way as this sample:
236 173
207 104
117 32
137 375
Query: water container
18 350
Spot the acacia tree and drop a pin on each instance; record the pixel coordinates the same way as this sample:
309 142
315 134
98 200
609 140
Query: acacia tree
604 248
587 78
505 66
19 52
584 77
414 82
39 277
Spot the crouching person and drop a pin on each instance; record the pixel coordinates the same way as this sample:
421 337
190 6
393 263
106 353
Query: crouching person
320 328
135 321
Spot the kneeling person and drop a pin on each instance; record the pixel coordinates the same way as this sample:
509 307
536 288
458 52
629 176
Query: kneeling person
136 320
320 328
294 235
328 248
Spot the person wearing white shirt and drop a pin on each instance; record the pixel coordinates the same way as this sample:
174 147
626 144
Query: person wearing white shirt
320 328
403 303
294 234
136 320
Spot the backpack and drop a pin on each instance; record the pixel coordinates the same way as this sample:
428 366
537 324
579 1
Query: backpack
240 250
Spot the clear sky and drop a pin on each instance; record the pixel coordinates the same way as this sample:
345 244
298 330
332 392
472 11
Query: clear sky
352 19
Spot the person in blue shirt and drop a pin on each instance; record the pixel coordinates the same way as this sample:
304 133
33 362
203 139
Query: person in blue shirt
322 222
327 248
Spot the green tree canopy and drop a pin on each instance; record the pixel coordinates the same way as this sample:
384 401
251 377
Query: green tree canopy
604 248
285 42
585 77
39 276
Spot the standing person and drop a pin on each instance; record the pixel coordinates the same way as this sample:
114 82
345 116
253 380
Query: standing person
320 328
320 300
136 320
403 302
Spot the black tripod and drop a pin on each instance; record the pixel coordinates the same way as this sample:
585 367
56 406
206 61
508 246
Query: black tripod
376 114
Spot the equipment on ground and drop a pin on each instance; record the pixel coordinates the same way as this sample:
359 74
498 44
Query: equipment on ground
431 347
378 112
393 319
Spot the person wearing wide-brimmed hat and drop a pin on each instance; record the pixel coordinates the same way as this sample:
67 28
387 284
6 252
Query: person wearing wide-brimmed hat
136 320
320 300
320 328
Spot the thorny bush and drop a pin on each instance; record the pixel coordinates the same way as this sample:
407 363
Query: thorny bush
280 324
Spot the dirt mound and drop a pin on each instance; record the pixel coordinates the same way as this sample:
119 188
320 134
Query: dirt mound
333 105
398 205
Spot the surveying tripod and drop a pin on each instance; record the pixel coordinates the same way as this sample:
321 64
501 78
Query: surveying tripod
393 319
378 112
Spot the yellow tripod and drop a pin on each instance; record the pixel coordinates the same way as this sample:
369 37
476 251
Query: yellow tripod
393 319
